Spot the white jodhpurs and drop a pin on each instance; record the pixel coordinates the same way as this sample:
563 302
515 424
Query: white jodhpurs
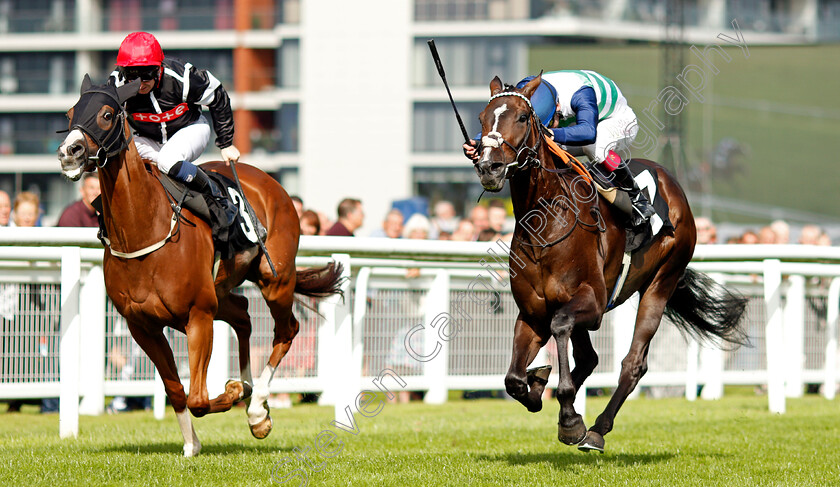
615 133
186 145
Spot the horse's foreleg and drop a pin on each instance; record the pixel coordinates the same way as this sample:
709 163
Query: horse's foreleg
526 345
200 345
157 348
633 367
571 429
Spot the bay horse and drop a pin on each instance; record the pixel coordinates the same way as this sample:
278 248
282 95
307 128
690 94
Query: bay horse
566 257
173 285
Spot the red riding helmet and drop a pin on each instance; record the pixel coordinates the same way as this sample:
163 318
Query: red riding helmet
140 49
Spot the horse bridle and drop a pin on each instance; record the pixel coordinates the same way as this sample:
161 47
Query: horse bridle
110 143
531 160
530 152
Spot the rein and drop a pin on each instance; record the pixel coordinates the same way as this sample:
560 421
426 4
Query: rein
532 159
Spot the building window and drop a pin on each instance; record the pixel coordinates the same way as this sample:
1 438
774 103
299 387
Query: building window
152 15
287 121
18 16
288 63
37 72
436 129
31 133
471 61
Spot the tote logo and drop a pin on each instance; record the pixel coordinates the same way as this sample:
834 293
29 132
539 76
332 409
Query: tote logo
162 117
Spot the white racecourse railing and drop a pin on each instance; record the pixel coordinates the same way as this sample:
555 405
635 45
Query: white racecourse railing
449 300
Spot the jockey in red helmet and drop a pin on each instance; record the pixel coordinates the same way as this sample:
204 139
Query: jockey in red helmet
166 115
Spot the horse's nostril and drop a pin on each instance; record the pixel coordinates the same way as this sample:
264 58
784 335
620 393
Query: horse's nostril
496 166
75 149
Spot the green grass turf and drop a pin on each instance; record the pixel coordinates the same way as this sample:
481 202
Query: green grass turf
780 103
734 441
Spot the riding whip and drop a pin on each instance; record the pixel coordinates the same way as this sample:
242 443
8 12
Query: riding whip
439 65
253 217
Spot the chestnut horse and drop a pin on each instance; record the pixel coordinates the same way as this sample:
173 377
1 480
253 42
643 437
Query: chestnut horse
173 285
566 257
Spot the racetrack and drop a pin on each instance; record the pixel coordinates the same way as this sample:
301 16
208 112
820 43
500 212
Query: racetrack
734 441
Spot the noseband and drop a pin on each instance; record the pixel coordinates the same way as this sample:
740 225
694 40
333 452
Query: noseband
530 153
110 143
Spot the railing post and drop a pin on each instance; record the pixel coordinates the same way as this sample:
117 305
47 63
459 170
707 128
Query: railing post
830 382
218 371
359 313
794 335
692 358
774 337
92 302
435 370
159 397
69 346
623 325
711 362
336 356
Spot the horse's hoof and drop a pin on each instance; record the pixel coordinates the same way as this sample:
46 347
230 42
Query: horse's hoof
538 375
261 429
239 390
572 435
593 442
192 450
534 407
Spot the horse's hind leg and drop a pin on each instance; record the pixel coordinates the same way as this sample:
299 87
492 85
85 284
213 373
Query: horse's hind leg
586 358
279 296
233 309
634 365
522 387
157 348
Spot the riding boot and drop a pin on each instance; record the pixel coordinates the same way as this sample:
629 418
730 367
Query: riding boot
639 208
203 184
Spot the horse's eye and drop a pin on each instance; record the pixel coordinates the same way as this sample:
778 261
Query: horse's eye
523 118
107 116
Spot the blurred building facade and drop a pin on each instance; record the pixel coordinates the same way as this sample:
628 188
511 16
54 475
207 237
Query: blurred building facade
334 98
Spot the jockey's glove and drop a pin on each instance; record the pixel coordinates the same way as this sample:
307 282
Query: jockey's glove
230 153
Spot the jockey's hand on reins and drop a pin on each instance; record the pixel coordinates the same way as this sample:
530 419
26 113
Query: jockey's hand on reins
471 150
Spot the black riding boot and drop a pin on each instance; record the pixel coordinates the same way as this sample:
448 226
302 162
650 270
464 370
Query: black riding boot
207 186
640 210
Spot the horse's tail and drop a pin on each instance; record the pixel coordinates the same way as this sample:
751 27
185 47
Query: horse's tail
707 310
320 282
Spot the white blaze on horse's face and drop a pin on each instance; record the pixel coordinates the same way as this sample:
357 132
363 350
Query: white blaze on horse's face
72 164
494 139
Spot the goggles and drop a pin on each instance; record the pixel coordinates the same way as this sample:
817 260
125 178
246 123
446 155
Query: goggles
145 73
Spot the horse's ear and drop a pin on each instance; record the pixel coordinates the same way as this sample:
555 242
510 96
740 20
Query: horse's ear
128 90
532 85
86 84
496 86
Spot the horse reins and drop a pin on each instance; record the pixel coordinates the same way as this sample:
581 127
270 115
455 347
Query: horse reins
532 159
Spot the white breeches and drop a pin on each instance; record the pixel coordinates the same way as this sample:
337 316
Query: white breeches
187 144
614 133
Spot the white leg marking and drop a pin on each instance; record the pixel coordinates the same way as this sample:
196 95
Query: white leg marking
256 410
191 444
